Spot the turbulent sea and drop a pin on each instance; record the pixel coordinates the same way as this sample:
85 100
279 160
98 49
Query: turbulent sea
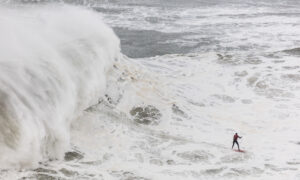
149 89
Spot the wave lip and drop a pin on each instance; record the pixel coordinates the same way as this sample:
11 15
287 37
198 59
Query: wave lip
53 65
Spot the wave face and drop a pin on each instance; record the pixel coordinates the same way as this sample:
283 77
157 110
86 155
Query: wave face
54 61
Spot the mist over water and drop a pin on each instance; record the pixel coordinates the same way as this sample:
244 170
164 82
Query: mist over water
50 71
157 93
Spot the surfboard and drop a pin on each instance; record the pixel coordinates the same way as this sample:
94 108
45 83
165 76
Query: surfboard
242 151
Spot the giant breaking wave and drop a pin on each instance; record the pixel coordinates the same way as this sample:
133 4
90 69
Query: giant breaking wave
53 65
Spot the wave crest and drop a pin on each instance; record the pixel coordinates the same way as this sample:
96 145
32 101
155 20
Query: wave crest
53 65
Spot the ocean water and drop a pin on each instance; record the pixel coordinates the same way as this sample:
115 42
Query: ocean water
149 89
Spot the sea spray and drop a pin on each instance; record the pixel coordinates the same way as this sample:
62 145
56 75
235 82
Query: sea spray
53 65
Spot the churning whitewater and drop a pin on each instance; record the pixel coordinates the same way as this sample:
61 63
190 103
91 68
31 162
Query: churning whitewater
51 70
156 94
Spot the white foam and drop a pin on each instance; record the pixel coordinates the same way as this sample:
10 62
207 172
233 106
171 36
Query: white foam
54 61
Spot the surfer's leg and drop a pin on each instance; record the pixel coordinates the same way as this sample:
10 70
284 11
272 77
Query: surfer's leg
238 145
232 144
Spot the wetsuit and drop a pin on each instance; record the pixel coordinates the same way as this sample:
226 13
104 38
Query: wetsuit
235 137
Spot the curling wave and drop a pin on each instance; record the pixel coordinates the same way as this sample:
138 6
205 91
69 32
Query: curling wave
53 65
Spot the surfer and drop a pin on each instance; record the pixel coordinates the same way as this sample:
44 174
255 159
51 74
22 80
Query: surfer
235 138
